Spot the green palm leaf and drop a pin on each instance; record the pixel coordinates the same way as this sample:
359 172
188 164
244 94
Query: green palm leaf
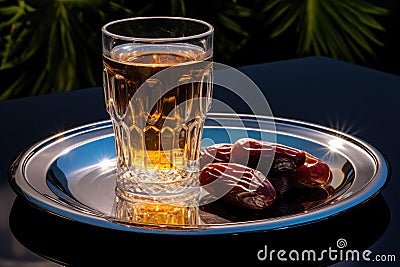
52 45
343 29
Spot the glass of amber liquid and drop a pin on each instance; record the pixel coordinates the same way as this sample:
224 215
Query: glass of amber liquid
157 77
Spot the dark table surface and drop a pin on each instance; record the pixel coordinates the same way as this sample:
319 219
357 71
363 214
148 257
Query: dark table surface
350 98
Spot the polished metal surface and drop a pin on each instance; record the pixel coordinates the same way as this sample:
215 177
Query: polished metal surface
73 174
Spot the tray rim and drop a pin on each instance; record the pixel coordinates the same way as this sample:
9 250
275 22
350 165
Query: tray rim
375 186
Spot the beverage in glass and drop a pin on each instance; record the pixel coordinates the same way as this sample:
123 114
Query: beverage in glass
158 88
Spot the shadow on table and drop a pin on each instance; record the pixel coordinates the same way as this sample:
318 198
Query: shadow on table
73 243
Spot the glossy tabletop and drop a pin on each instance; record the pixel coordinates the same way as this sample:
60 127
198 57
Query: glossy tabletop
353 99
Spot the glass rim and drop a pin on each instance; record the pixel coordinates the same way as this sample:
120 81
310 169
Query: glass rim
152 39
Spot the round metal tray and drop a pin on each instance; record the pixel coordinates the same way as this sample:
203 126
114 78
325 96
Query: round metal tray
72 174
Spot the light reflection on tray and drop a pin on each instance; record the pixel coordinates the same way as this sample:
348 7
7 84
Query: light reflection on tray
80 164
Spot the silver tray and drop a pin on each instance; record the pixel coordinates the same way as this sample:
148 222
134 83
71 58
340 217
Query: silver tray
72 175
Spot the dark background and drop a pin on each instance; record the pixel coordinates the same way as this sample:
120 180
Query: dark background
261 48
50 46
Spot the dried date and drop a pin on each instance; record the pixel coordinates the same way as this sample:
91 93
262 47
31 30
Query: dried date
265 156
313 173
215 153
238 185
232 171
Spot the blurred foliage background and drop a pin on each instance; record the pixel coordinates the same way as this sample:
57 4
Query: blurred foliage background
50 46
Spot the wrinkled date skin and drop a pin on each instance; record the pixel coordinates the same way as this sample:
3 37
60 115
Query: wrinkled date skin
258 154
238 185
215 153
313 173
290 184
237 169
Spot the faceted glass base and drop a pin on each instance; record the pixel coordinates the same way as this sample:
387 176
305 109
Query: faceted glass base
180 210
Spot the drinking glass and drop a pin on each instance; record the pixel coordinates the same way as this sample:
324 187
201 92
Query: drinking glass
157 79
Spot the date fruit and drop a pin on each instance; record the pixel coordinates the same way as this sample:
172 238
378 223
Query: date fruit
313 173
238 185
215 153
265 156
237 172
